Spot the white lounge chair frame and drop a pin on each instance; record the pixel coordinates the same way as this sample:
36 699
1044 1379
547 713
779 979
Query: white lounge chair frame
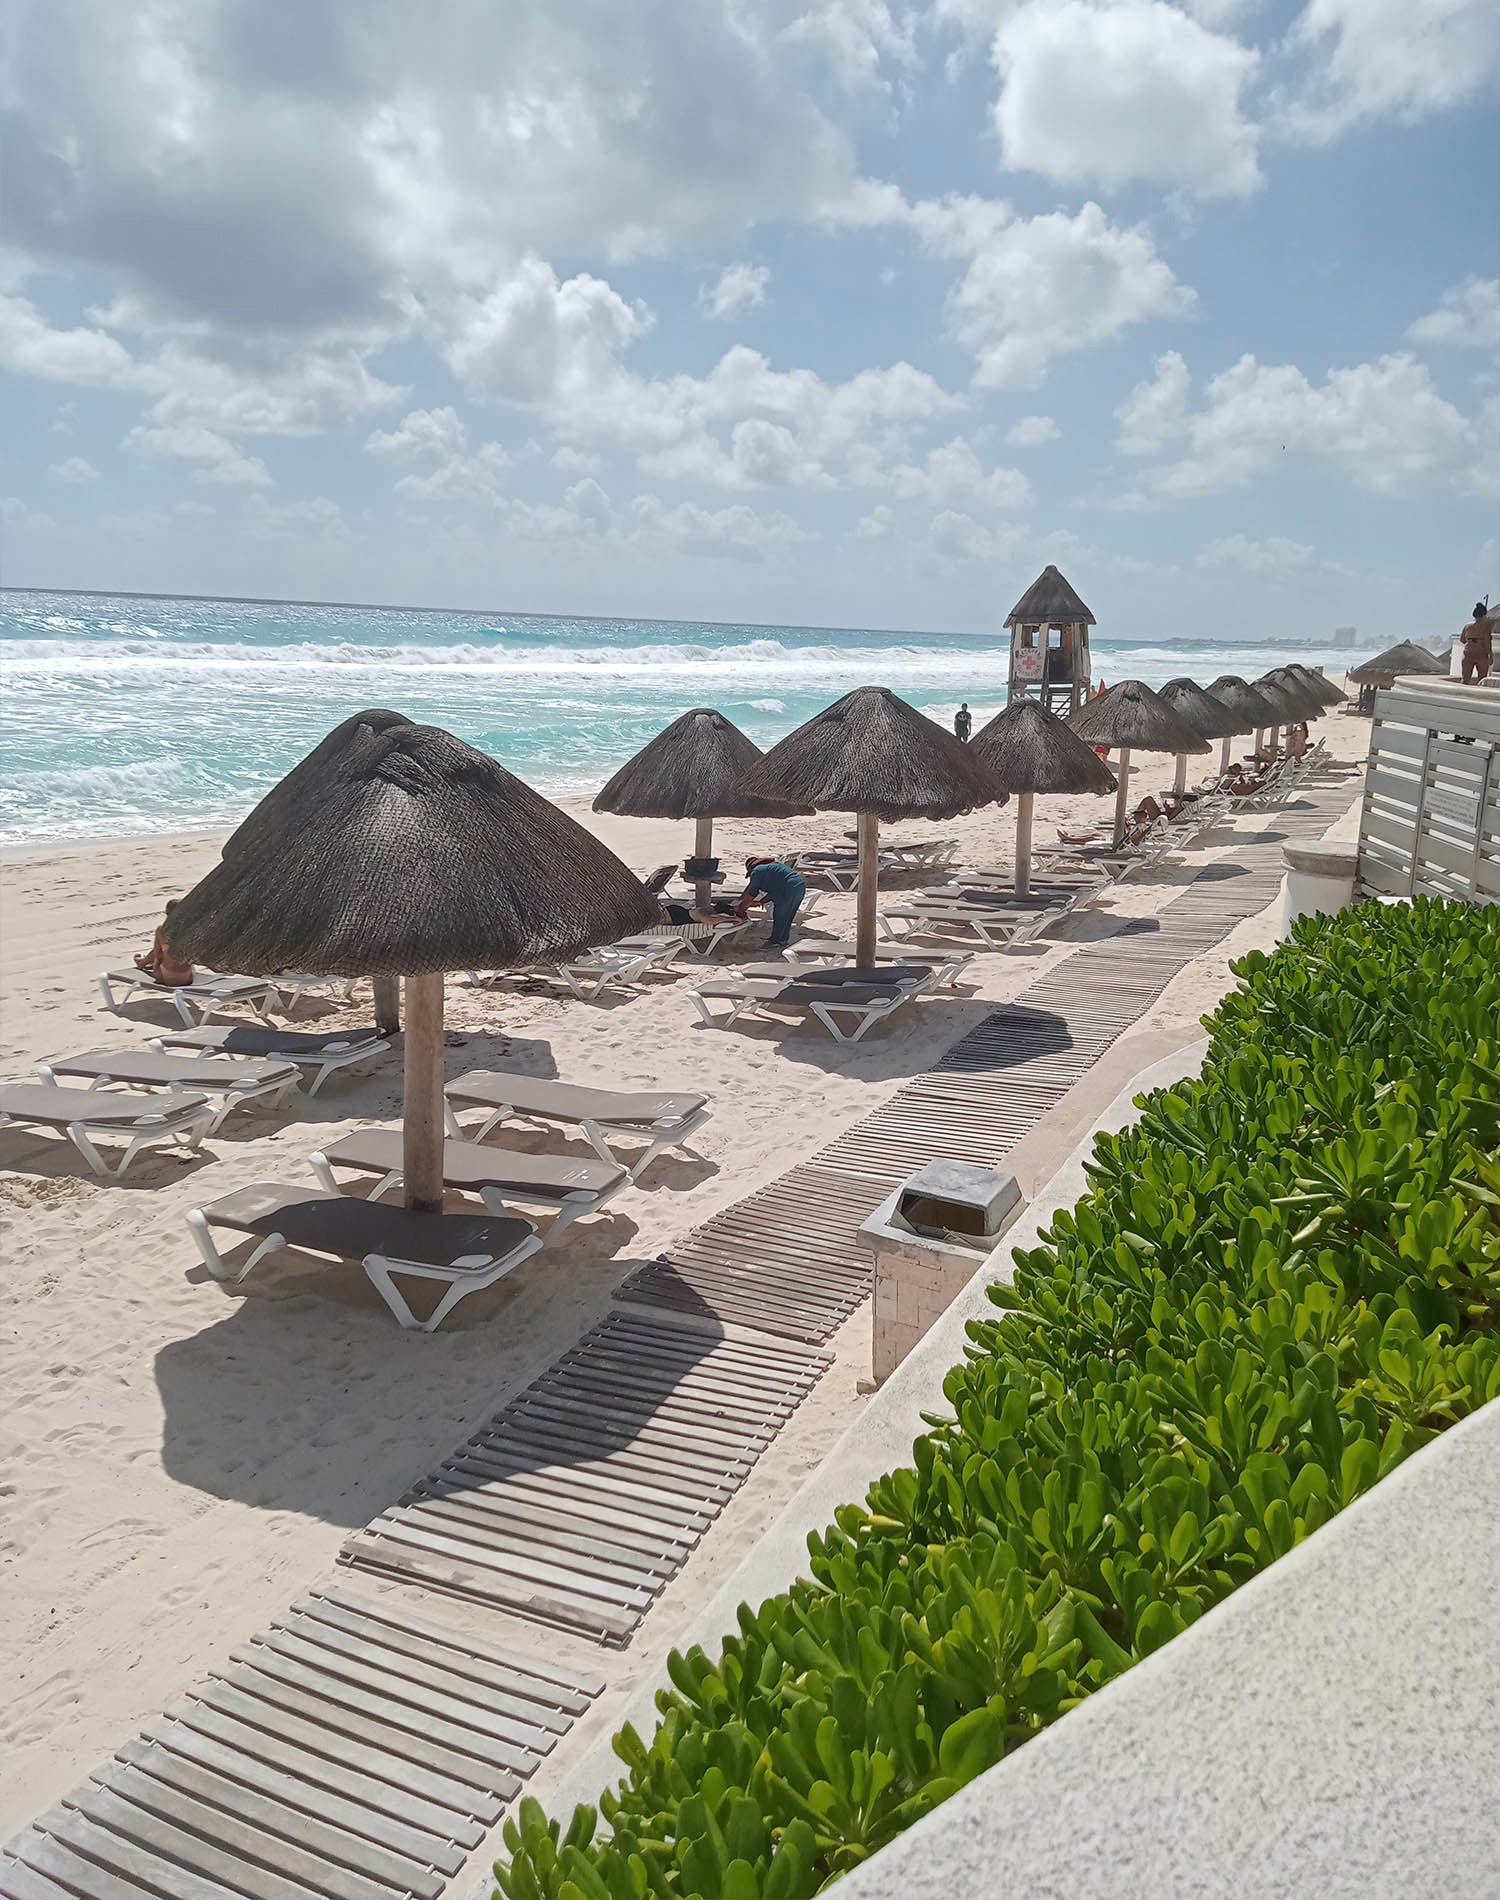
326 1061
206 997
751 996
590 975
227 1099
565 1207
292 986
659 1136
948 961
184 1119
470 1273
995 929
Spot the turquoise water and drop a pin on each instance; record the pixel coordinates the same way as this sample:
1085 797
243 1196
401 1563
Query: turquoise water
127 714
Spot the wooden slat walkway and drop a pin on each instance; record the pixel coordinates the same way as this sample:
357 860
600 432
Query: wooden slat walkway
350 1751
788 1260
579 1501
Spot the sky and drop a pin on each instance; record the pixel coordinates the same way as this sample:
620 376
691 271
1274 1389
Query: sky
844 313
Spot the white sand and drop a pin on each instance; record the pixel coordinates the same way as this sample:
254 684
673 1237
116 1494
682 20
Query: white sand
180 1459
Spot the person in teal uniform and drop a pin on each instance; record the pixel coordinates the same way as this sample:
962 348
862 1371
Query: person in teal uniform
769 881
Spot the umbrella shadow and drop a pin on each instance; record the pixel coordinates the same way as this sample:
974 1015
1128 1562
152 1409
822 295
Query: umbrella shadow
43 1158
308 1398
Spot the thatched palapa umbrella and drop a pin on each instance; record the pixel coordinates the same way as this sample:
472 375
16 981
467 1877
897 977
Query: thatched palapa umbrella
874 755
1205 714
1025 750
1250 712
695 769
347 741
1285 700
1318 683
1304 696
410 854
1131 718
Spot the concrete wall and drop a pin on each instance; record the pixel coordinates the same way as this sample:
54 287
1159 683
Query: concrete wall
1330 1732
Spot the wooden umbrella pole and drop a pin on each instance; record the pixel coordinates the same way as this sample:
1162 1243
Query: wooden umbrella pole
703 847
422 1109
869 890
1224 757
1179 781
387 1004
1121 798
1271 741
1023 842
1258 742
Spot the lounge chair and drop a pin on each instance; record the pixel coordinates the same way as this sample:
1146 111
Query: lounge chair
145 1121
292 986
233 1082
588 976
864 1003
194 1002
320 1052
465 1251
697 940
562 1184
994 927
662 1121
947 963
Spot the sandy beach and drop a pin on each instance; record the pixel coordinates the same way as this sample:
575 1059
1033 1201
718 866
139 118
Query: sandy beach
181 1458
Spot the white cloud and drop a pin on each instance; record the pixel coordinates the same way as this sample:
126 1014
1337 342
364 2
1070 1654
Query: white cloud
76 472
319 519
1274 557
214 458
857 37
953 473
1045 287
1111 92
736 534
1031 431
1467 317
737 288
955 536
1395 59
1382 425
536 339
877 525
422 432
31 347
586 514
1156 412
573 461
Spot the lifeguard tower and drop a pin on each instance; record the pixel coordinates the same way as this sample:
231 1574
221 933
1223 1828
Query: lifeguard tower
1049 644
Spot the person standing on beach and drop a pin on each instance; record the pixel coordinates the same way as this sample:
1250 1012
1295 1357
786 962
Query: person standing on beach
1477 640
963 723
769 881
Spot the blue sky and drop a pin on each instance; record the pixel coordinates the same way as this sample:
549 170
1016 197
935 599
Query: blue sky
842 313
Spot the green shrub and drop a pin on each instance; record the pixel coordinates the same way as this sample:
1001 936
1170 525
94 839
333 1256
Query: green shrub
1285 1278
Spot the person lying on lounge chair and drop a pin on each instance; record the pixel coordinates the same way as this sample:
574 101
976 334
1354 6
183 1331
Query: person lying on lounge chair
158 962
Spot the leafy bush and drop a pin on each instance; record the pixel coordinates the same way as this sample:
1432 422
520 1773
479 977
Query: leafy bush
1284 1279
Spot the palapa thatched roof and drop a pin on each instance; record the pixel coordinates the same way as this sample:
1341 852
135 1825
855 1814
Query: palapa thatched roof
1251 712
1028 749
1050 597
1296 692
1285 700
346 738
696 768
408 852
1210 718
1401 658
872 752
1318 683
1424 660
1130 716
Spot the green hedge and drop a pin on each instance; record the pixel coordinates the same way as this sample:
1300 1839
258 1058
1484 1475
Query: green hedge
1284 1279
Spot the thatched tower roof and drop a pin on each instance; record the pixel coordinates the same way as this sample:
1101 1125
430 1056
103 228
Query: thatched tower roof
872 752
1208 717
1249 709
1132 717
1424 660
1027 749
1307 699
1050 597
408 853
346 739
696 768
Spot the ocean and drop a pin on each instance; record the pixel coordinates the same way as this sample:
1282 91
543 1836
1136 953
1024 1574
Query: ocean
122 715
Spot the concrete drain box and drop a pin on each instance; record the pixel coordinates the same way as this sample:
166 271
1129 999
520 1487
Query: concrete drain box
928 1239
